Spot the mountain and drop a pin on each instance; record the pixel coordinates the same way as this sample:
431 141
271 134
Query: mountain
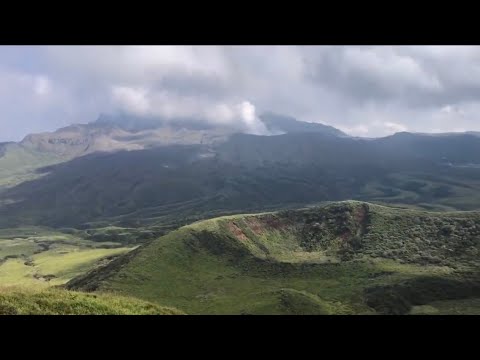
19 164
276 123
124 132
177 183
456 148
111 172
340 258
78 140
3 148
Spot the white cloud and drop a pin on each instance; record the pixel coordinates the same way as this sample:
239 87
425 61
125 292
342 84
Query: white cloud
374 129
394 127
389 69
357 130
252 123
170 106
365 90
41 85
451 110
132 100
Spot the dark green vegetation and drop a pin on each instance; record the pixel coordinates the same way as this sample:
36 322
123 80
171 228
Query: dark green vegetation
341 258
62 302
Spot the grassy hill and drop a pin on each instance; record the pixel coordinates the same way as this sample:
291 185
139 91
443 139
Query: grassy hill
63 302
341 258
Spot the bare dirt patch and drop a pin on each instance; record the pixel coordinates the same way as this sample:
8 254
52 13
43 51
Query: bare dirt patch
235 230
255 225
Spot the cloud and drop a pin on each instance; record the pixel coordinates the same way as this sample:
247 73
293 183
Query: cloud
171 107
374 128
131 100
394 127
252 123
41 85
452 110
363 90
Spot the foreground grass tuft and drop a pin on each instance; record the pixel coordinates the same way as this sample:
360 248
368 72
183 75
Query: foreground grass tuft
62 302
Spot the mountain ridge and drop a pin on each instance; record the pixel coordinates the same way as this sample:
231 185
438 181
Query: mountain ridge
114 133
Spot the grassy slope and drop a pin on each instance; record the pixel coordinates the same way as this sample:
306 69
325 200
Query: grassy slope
62 302
19 164
449 307
288 264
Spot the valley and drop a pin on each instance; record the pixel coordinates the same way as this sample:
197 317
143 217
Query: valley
41 257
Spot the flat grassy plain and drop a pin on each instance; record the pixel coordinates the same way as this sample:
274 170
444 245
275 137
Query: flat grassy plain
36 262
40 257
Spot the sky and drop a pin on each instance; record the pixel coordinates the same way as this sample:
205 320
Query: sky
367 91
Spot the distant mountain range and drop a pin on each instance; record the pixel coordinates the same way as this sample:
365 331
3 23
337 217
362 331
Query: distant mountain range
124 169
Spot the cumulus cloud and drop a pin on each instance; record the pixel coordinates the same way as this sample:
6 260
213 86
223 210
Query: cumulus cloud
172 107
41 85
363 90
374 128
452 110
131 100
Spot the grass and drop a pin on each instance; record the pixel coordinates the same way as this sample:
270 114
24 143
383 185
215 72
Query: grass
15 272
20 164
18 301
17 247
34 260
449 307
42 257
66 265
205 283
317 260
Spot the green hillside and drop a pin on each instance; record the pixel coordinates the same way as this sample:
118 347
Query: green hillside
63 302
18 164
341 258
